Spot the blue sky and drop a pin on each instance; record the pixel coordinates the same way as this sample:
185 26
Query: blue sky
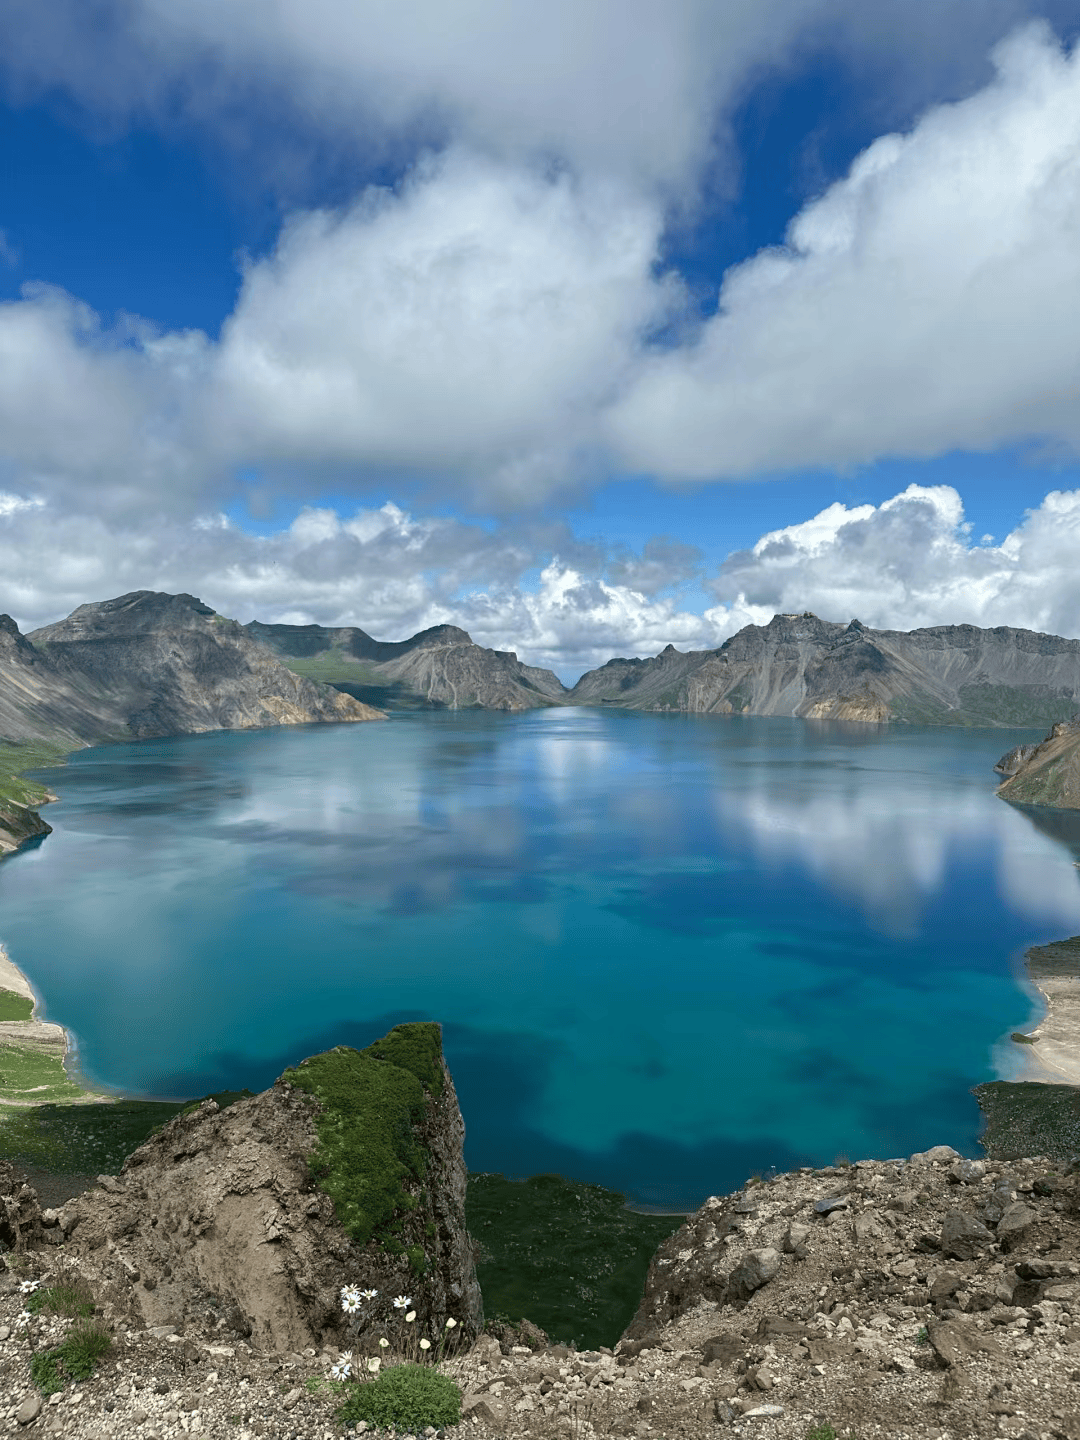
542 322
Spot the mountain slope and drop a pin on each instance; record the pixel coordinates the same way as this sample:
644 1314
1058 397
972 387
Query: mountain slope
819 669
1047 773
438 668
151 664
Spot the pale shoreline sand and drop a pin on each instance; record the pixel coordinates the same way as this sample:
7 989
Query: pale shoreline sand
1054 1056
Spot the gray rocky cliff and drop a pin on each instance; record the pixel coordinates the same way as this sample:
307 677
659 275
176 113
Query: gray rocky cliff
222 1218
818 669
1047 773
438 668
157 664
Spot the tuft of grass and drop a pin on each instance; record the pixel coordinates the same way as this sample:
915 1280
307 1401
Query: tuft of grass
75 1358
73 1299
824 1431
370 1103
406 1397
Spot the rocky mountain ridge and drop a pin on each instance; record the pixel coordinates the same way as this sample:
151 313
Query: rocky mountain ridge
439 668
821 670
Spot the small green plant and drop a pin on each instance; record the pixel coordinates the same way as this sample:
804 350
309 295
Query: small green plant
73 1300
75 1358
824 1431
406 1397
45 1371
923 1337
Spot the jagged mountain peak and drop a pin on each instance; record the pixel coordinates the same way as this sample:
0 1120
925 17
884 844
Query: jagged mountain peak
133 613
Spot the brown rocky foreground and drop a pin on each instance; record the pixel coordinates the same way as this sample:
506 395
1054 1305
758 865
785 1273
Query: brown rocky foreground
932 1297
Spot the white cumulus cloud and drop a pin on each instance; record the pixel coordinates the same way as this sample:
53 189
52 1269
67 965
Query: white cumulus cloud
911 562
927 302
474 319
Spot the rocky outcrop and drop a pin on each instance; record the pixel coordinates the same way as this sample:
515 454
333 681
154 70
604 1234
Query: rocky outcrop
18 825
923 1296
1047 773
238 1216
821 670
150 664
440 668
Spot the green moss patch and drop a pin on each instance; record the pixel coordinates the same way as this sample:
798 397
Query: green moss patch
566 1255
370 1103
416 1048
14 1006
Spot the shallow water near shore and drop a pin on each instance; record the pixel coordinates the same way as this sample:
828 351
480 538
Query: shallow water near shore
667 951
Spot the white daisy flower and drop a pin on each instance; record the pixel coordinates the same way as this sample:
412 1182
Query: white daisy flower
402 1302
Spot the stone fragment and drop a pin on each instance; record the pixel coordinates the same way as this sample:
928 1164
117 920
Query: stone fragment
1014 1224
944 1285
966 1172
723 1349
868 1228
752 1272
796 1236
963 1236
829 1204
763 1412
480 1407
1035 1269
997 1202
291 1399
941 1153
29 1410
955 1341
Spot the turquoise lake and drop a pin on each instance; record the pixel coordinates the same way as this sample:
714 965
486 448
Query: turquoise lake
667 951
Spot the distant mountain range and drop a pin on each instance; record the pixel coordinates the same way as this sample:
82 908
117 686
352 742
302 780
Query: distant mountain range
153 664
150 664
795 665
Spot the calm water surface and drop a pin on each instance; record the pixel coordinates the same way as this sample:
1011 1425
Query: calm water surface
666 950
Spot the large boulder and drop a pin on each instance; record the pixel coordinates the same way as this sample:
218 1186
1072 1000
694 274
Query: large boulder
348 1172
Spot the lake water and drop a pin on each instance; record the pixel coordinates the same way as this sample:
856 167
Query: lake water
666 950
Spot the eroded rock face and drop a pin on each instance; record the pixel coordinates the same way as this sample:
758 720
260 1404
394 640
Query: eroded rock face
823 670
219 1216
1047 773
21 1225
